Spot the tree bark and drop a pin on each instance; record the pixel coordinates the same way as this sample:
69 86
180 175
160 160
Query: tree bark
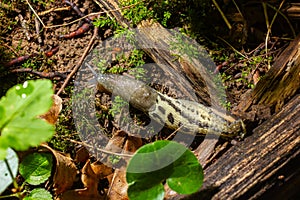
263 165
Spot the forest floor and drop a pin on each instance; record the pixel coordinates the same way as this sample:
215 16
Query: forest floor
239 52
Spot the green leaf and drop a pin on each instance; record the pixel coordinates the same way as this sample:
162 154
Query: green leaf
4 144
19 126
30 99
187 175
36 168
2 114
39 194
22 133
5 176
154 192
159 161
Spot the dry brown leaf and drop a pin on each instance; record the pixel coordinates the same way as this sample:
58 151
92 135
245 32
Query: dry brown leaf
121 140
101 170
52 115
65 171
79 194
118 186
90 181
117 141
133 143
82 155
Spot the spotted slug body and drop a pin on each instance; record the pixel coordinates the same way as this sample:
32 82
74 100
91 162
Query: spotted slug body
185 116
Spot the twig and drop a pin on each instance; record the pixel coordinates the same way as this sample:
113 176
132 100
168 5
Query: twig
76 9
35 13
41 74
269 26
37 30
9 47
222 14
89 15
234 49
174 132
24 26
54 10
79 62
286 19
102 150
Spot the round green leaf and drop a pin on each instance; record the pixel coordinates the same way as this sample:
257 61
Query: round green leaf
153 193
159 161
39 194
5 176
36 168
187 176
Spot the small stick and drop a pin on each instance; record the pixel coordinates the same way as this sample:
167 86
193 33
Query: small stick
24 26
81 30
41 74
90 15
54 10
76 9
52 51
35 13
37 30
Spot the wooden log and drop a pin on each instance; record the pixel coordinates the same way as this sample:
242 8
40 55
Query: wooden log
276 87
263 165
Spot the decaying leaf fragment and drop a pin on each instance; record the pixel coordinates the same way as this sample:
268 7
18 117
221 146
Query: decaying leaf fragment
52 115
90 177
118 186
65 171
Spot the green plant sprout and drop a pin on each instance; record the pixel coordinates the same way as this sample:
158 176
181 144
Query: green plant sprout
137 12
105 21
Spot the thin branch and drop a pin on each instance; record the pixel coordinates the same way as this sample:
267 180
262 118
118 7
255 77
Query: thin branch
222 14
102 150
41 74
286 19
89 15
35 13
234 49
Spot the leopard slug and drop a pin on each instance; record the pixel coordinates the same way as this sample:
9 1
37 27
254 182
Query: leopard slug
186 116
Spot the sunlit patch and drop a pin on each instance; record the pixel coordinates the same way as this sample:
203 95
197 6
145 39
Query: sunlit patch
18 87
23 96
25 84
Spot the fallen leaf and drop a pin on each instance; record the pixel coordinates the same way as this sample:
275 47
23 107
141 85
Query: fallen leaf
52 115
101 170
65 171
90 190
118 187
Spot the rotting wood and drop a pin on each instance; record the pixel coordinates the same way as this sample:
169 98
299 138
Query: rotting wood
252 168
276 87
